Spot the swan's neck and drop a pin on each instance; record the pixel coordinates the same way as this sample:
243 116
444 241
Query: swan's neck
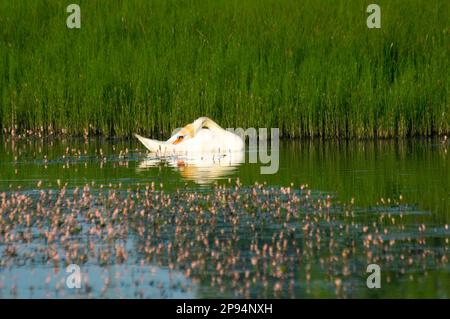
207 123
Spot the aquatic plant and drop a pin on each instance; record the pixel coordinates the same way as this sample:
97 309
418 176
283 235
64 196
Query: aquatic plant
235 241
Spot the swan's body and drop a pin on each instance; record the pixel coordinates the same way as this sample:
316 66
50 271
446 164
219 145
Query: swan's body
202 136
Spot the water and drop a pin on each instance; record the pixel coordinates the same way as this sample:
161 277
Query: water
385 202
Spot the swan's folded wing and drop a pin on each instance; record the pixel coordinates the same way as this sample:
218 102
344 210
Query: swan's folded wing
154 145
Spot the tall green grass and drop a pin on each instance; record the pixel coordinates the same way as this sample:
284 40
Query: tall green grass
310 67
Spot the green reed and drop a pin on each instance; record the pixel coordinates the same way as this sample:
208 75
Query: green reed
311 68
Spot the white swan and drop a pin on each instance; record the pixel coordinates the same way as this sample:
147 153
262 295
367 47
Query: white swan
201 136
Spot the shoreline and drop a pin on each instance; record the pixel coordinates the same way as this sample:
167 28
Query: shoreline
22 134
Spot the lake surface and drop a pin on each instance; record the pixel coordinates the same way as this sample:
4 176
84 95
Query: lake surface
140 227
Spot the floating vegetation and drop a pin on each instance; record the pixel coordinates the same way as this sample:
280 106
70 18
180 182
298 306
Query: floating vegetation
229 241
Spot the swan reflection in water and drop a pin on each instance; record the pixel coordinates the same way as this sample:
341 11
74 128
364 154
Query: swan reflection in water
199 168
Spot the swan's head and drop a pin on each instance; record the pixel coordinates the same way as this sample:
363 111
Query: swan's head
190 130
185 133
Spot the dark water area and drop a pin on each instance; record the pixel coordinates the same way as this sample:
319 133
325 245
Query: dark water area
366 171
202 229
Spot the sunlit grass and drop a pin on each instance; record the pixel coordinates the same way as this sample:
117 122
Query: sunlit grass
311 68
